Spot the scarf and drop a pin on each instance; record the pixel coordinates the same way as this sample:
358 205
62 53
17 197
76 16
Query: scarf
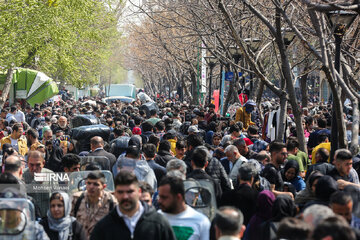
62 225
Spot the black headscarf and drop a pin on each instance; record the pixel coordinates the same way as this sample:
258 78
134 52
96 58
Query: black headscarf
325 187
283 207
292 164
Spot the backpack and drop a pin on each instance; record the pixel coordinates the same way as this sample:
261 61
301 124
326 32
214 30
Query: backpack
82 196
200 195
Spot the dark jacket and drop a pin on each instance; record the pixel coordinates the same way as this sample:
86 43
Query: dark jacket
159 171
216 170
77 230
163 157
243 198
199 174
323 167
102 152
151 226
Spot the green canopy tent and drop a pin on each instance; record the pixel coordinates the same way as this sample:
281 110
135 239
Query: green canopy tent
31 85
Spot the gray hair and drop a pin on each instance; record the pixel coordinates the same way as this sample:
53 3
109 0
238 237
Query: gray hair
176 173
231 149
176 164
314 214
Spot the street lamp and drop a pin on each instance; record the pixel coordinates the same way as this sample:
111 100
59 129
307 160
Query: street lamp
340 21
211 62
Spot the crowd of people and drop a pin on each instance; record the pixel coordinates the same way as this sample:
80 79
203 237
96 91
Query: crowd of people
249 184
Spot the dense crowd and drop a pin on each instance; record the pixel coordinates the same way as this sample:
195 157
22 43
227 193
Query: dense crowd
170 170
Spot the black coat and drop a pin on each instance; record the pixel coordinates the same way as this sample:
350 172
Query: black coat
77 230
151 226
199 174
243 198
102 152
163 157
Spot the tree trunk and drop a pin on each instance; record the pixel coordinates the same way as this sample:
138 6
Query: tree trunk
304 91
282 125
354 146
258 95
7 86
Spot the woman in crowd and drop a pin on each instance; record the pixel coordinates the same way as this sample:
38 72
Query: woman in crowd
58 224
291 174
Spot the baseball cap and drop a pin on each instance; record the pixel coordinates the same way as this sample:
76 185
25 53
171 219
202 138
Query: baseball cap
193 129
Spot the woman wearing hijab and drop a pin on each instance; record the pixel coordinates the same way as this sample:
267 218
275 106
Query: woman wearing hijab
58 224
263 213
308 194
291 175
283 207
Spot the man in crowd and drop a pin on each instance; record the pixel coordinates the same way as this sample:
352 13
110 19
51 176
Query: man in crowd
70 163
15 139
94 203
131 218
235 158
229 224
97 149
182 218
63 125
32 139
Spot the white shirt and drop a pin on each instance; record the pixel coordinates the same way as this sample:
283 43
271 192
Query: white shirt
235 169
131 221
20 116
14 144
189 224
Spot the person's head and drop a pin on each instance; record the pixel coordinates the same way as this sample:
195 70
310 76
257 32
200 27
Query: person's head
127 191
216 139
193 141
146 193
229 222
241 145
95 184
180 149
149 150
62 122
313 179
333 228
291 170
325 186
294 229
17 131
323 138
133 152
321 122
153 113
147 126
60 205
235 130
200 157
232 153
13 165
36 162
322 155
119 131
64 145
48 135
32 135
96 142
343 161
292 146
263 157
250 106
165 146
247 173
341 203
211 108
178 166
71 162
171 195
315 213
278 152
59 133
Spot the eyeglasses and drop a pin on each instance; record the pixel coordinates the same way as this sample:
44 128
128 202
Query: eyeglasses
284 154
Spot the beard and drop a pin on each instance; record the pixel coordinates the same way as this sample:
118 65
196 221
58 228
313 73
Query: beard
169 209
62 125
128 205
